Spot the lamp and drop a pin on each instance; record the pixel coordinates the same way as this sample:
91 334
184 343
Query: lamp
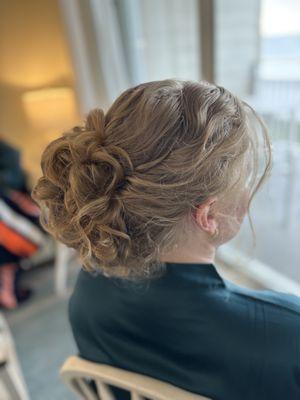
50 110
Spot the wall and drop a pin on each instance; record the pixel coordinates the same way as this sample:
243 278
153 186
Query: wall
33 55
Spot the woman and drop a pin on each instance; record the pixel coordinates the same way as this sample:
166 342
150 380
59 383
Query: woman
146 193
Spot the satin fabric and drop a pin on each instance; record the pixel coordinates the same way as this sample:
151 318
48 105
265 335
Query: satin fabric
193 329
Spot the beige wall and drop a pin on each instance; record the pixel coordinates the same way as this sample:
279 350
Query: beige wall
33 55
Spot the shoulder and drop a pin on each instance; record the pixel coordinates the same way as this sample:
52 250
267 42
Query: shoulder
286 302
273 337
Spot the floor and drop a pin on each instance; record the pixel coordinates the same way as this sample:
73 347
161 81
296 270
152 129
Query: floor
42 337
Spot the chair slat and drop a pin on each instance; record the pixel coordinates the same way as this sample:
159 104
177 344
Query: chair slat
136 396
104 391
88 392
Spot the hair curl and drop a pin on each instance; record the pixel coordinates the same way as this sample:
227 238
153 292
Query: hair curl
118 188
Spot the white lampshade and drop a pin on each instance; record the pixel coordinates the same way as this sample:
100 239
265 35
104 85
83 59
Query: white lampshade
50 110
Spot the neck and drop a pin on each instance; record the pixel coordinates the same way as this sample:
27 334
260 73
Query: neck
197 254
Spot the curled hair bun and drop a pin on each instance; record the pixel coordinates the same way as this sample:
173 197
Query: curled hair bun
81 193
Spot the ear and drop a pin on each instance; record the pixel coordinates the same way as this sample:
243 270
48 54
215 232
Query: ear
205 216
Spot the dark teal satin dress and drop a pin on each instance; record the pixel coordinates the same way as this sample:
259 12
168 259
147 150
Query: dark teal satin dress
193 329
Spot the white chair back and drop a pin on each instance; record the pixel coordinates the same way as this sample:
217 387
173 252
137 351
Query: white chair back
78 373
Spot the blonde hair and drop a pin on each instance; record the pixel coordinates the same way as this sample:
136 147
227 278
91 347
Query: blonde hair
118 188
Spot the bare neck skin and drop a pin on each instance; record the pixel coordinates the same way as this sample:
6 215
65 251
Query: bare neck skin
197 250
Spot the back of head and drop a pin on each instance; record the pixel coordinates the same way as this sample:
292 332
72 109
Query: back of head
121 188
